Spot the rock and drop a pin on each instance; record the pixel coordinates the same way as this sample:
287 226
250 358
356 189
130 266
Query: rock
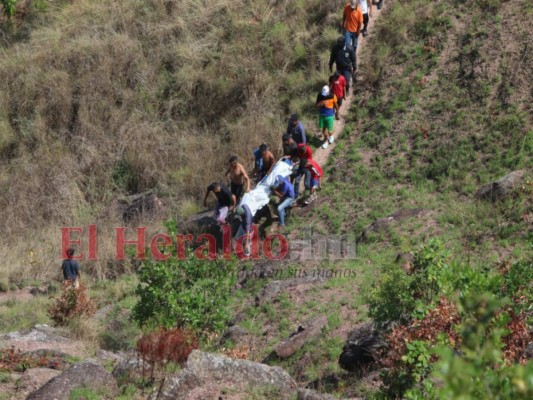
34 378
225 369
234 333
271 290
129 367
308 394
39 332
39 291
306 332
177 387
85 374
206 368
382 224
108 356
43 337
363 343
501 188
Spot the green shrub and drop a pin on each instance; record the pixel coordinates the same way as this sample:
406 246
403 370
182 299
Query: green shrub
189 293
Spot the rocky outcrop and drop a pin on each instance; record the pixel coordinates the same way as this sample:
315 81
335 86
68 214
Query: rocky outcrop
206 369
33 379
42 337
305 332
502 188
87 374
128 368
362 347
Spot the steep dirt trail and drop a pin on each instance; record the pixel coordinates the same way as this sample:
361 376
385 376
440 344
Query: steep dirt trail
322 155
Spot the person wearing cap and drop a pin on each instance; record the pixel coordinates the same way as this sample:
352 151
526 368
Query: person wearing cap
238 178
327 105
366 9
344 58
245 227
285 191
337 83
296 129
316 178
225 201
352 22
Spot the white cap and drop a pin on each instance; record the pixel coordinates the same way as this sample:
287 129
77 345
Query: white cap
325 90
354 4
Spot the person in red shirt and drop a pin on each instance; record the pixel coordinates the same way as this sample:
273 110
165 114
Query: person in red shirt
316 178
337 83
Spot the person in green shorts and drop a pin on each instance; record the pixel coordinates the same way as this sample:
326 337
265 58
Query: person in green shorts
327 105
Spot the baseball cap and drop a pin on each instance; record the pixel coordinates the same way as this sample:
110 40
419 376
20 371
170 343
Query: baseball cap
325 90
239 211
353 4
294 117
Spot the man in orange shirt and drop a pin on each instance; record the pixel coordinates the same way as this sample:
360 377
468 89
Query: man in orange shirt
352 22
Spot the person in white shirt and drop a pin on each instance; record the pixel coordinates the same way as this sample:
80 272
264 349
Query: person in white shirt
366 9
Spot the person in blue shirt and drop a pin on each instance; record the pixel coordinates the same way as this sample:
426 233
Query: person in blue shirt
71 268
284 189
296 130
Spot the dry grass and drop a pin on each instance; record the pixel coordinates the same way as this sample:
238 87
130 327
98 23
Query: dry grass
104 98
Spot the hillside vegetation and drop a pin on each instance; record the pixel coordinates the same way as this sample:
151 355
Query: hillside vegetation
103 99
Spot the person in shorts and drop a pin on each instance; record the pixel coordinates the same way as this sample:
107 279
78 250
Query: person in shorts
326 102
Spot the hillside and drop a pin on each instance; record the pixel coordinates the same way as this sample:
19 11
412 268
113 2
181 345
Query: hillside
102 100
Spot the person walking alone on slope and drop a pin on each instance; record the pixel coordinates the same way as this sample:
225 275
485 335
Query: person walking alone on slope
366 9
345 60
71 269
352 22
327 105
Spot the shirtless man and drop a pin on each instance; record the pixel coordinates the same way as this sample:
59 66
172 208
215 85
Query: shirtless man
238 177
268 160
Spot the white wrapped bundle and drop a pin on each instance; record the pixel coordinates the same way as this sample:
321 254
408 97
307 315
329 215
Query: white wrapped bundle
260 196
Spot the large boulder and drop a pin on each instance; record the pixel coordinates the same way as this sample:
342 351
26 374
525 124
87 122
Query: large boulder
34 378
308 394
43 337
363 346
212 370
87 374
502 188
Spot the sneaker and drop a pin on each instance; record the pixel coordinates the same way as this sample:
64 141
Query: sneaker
325 145
331 139
365 33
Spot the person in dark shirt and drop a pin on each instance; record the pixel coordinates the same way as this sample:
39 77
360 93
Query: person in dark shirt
296 129
71 268
344 58
289 145
225 201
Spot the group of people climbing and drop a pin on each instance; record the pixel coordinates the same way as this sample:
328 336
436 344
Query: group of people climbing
295 144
